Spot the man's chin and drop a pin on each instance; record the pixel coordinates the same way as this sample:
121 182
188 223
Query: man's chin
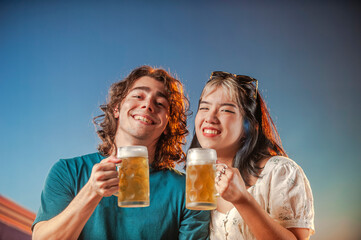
145 136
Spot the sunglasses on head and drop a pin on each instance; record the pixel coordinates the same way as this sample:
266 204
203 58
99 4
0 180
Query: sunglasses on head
239 78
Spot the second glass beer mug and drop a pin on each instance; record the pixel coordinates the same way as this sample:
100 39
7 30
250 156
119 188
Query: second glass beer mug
133 174
200 179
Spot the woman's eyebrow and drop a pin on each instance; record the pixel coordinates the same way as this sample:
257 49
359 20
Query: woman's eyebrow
229 105
222 104
204 102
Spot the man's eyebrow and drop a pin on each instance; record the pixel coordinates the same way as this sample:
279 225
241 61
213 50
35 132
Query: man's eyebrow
222 104
147 89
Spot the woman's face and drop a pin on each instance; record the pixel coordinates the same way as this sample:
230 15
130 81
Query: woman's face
219 123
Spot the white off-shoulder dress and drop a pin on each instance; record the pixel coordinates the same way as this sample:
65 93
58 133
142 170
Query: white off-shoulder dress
283 191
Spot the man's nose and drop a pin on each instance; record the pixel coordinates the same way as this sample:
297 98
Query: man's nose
148 104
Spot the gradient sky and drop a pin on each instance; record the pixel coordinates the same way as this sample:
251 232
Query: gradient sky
58 59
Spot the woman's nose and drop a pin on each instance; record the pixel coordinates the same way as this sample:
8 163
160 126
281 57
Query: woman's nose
212 118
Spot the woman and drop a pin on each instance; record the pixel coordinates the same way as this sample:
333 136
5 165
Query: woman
263 194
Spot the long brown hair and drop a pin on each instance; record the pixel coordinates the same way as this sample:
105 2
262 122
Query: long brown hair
261 138
169 147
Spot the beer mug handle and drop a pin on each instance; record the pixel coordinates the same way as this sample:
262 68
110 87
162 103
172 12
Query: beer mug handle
225 166
117 167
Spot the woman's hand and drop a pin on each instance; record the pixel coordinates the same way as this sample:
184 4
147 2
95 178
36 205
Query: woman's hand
230 184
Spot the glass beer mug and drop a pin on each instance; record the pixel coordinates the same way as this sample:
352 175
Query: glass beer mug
133 174
201 193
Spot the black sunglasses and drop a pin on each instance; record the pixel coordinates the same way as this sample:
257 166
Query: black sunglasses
238 78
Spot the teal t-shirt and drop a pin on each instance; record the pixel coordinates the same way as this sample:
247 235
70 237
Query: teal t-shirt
165 218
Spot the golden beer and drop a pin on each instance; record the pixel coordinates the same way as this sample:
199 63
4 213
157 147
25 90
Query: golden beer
200 175
133 174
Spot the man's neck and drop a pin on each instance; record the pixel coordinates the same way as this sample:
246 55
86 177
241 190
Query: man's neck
151 146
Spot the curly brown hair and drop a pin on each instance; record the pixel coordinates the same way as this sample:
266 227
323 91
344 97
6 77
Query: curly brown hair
169 147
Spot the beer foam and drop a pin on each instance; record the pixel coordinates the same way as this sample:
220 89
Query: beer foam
201 155
132 151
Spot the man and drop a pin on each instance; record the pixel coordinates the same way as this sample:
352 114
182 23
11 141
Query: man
147 108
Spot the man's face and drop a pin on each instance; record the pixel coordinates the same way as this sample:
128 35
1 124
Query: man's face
143 113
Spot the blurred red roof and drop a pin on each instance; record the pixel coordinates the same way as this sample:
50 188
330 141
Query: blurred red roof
15 220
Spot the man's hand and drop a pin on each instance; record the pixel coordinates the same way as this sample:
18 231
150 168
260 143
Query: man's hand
104 177
103 182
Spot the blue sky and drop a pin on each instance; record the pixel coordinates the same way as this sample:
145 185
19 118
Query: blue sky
58 59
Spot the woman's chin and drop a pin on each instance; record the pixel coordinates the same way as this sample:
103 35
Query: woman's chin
209 145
